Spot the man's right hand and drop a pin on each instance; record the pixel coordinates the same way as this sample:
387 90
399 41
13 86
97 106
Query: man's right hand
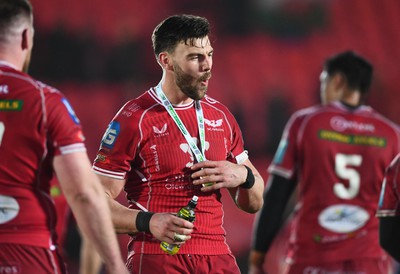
164 226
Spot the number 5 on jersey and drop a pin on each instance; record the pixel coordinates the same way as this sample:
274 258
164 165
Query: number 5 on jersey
344 169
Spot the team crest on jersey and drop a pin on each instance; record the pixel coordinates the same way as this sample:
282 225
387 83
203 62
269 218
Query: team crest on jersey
111 135
100 158
161 131
214 125
70 111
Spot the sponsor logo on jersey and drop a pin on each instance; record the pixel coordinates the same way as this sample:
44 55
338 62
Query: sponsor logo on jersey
340 124
4 89
343 218
160 132
111 135
11 105
9 208
133 107
10 268
352 139
70 111
154 151
180 182
171 186
338 237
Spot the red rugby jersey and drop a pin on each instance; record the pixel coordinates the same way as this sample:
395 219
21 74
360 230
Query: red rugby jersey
36 123
338 156
144 146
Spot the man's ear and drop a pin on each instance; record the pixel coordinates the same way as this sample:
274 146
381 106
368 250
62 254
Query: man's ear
26 41
339 81
165 60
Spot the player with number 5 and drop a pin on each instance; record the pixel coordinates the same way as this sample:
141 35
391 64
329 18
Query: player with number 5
335 154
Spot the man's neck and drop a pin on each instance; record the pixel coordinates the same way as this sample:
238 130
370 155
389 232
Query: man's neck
174 94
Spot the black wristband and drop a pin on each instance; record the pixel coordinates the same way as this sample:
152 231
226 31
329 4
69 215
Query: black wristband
250 180
143 221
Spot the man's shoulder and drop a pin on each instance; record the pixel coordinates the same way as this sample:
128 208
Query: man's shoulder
25 82
137 106
213 103
304 113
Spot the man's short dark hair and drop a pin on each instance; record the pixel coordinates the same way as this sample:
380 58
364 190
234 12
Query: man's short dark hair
176 29
357 70
10 12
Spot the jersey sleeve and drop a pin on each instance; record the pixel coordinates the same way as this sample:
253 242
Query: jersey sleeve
238 153
63 126
118 145
285 158
390 197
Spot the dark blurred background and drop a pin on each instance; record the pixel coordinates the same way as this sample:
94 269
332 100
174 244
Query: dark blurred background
267 61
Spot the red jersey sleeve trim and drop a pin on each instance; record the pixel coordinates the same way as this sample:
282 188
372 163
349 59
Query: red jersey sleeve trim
242 157
108 173
285 173
72 148
386 213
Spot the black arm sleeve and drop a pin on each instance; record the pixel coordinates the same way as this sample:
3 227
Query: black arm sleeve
270 218
389 235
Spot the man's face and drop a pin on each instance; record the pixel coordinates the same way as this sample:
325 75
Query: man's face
192 67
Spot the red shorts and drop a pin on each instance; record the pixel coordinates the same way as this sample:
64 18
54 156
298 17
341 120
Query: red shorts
24 259
182 263
362 266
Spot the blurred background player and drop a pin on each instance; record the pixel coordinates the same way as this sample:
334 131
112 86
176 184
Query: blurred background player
39 135
336 155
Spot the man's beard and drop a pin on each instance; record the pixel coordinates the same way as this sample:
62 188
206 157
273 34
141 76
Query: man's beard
189 85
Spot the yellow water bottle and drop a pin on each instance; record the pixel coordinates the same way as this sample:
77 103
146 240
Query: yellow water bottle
186 213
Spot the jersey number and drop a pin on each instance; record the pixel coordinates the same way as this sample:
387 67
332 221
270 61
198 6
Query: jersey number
2 129
344 170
